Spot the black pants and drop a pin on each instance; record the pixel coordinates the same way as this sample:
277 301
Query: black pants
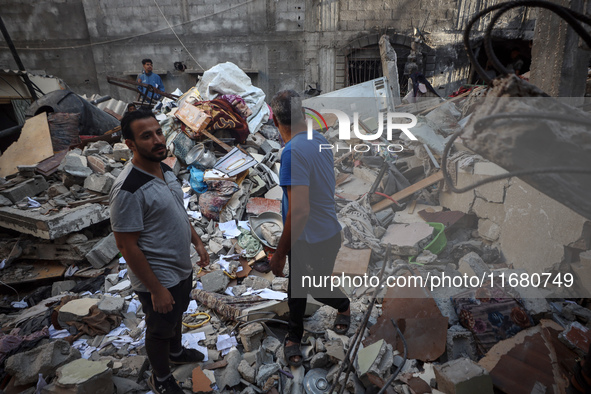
315 259
164 330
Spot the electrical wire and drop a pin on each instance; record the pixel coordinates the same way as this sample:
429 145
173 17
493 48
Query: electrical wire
566 14
134 36
176 35
391 379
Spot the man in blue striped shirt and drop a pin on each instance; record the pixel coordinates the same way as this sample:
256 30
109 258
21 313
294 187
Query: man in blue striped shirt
150 78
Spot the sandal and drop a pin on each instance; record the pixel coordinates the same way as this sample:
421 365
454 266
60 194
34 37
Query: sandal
292 351
341 320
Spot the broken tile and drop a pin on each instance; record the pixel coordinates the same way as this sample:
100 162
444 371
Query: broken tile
201 383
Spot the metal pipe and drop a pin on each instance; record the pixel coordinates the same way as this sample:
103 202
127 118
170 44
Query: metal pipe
17 59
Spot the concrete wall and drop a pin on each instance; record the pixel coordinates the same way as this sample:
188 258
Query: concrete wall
281 44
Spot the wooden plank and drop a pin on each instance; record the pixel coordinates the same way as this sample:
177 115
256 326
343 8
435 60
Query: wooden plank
35 134
351 261
408 191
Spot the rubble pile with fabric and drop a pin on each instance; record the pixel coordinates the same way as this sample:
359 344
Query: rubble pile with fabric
72 324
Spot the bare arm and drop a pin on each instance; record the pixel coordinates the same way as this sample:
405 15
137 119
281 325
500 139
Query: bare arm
162 300
199 247
298 198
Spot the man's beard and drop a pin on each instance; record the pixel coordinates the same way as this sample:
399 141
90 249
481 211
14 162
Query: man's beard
155 157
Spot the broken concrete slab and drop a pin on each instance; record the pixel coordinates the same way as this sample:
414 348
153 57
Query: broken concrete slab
45 359
62 286
265 372
406 238
133 367
405 216
229 376
103 252
29 188
463 376
256 282
53 225
98 164
489 230
75 310
83 377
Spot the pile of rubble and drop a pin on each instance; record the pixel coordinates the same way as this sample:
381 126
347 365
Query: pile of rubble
79 328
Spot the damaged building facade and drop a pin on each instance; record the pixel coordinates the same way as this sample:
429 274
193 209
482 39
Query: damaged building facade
324 45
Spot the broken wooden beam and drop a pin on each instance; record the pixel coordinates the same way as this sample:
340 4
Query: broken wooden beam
404 193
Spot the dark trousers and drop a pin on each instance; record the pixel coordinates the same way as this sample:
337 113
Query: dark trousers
164 330
315 259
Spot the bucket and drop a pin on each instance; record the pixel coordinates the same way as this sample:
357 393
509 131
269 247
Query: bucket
439 241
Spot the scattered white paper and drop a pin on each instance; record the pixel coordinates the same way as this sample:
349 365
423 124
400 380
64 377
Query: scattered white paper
229 229
54 334
191 340
228 291
186 199
161 117
134 305
267 294
122 260
71 271
33 203
244 224
41 383
19 304
195 214
225 343
122 273
3 264
199 285
192 308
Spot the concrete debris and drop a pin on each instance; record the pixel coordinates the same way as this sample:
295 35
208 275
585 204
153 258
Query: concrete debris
463 376
45 359
56 238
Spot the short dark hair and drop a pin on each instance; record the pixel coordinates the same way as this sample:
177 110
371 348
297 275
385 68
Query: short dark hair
283 103
132 116
144 61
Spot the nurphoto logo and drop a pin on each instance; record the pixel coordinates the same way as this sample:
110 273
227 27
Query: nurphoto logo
394 121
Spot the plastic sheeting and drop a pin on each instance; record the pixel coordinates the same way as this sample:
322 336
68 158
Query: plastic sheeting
228 78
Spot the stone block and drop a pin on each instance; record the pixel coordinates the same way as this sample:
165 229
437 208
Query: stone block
75 310
230 376
280 284
247 372
103 252
98 164
271 344
463 376
270 146
121 152
84 377
256 282
45 359
104 148
99 183
251 336
29 188
319 360
488 230
215 282
472 264
111 305
62 286
72 161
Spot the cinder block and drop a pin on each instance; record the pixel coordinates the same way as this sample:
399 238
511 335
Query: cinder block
103 252
251 336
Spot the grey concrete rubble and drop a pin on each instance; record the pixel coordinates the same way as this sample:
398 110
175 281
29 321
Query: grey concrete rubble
56 234
46 359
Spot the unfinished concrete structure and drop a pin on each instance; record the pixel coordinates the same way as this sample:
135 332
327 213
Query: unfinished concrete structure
327 44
